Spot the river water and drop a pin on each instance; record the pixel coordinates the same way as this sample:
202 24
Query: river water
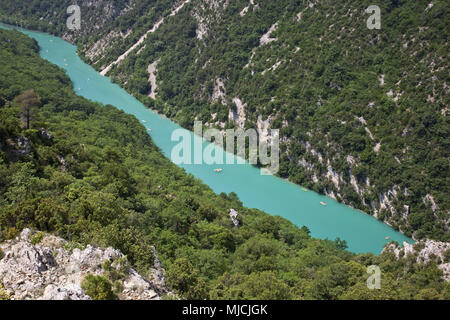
275 196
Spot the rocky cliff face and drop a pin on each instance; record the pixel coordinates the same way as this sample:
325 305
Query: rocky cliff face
95 15
425 252
48 270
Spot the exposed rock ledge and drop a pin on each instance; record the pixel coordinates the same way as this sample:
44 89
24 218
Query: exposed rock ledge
47 271
425 252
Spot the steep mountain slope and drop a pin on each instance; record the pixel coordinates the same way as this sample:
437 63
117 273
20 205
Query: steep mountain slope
91 175
363 113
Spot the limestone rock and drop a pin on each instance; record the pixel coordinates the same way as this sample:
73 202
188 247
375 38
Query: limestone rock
425 251
233 217
70 292
48 271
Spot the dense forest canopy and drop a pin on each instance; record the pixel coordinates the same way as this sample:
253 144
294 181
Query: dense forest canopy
91 174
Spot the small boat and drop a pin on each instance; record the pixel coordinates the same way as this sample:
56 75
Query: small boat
144 121
304 189
387 238
218 170
149 129
323 203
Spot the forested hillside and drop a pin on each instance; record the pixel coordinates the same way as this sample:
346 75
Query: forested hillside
91 174
363 113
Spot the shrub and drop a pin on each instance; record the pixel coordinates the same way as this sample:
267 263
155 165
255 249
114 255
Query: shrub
37 238
446 256
69 246
11 233
3 294
116 270
118 287
107 265
98 287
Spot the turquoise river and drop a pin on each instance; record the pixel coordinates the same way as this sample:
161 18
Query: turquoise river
362 232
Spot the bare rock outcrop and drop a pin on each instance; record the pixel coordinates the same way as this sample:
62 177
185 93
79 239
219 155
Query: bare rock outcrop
17 148
49 270
234 217
425 251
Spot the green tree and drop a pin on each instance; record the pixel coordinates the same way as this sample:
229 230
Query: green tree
27 101
98 287
182 277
